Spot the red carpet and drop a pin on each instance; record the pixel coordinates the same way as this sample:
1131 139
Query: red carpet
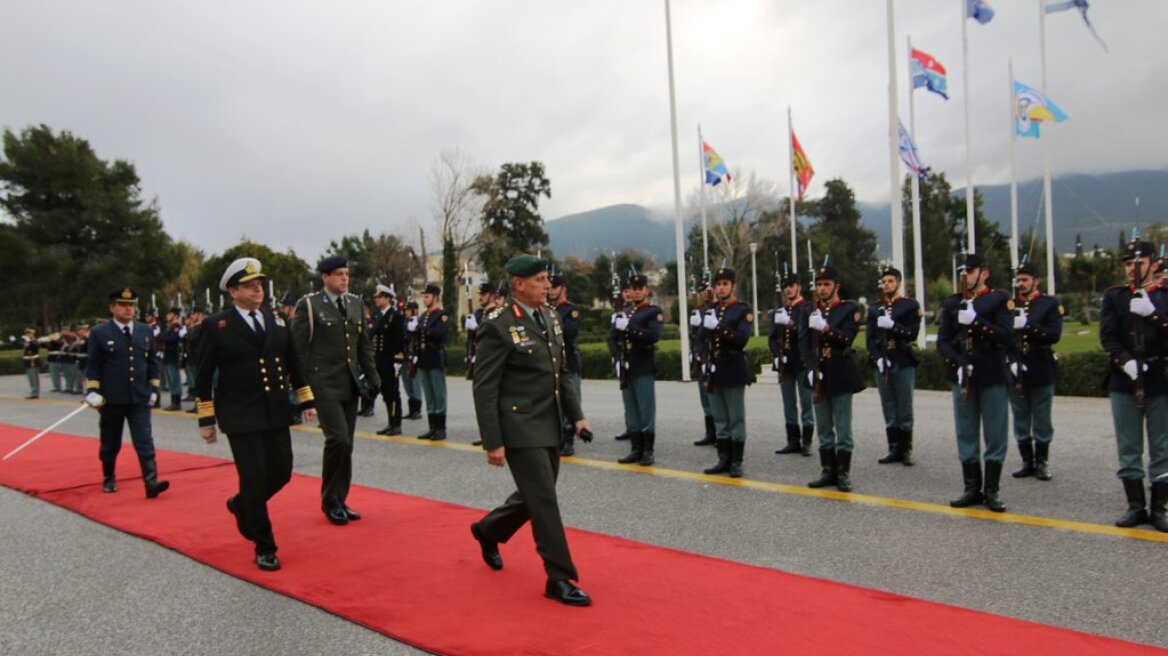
410 570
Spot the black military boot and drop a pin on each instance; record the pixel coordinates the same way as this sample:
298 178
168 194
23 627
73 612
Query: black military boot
793 445
906 458
108 479
1137 502
637 443
154 487
1026 450
723 465
648 439
433 423
439 433
175 403
893 454
711 434
1041 455
736 449
623 436
993 475
567 441
415 409
971 472
828 475
808 433
843 470
1158 510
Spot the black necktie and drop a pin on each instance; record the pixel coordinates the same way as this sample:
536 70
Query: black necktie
539 320
255 323
341 305
129 337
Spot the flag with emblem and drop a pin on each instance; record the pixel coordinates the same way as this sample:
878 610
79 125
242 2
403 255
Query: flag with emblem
927 72
801 166
1031 109
714 166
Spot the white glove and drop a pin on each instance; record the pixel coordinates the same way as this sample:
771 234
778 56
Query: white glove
616 316
1142 305
1131 369
94 400
616 367
397 368
782 317
884 321
966 314
153 398
182 332
1020 320
710 322
775 366
961 373
811 378
471 324
1014 369
412 325
880 365
695 319
622 322
816 321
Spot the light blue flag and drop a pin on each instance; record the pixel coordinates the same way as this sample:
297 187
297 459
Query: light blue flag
1081 5
979 10
1031 108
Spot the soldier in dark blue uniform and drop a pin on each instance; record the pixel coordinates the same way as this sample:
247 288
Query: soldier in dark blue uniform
893 325
639 333
976 333
826 344
1038 325
82 351
31 356
170 342
1133 329
621 308
489 300
122 373
389 354
54 344
570 324
730 325
431 329
409 377
702 299
787 321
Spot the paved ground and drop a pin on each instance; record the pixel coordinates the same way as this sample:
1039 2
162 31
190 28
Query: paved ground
73 587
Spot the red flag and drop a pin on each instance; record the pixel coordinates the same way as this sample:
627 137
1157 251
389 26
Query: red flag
801 165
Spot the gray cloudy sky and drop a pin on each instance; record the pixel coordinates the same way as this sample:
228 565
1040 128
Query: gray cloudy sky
295 122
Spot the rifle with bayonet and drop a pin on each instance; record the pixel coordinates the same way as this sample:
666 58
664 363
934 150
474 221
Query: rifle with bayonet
889 342
816 374
781 304
967 351
470 334
1138 329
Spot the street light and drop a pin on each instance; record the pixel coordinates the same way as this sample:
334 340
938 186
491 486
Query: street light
754 283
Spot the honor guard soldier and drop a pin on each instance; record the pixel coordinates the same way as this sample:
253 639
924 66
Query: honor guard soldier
191 343
54 344
1038 325
787 323
730 325
122 373
430 330
489 299
1133 329
621 308
82 355
702 297
892 329
570 322
333 346
31 357
170 342
638 334
389 352
976 333
409 377
69 357
246 363
826 344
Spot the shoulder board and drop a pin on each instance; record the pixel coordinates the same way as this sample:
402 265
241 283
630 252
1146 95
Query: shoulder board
495 314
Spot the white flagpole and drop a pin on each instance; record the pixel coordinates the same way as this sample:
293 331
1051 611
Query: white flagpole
791 171
678 229
970 219
918 255
1013 174
1046 192
702 186
894 147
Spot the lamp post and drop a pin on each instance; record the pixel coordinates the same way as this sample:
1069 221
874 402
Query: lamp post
754 282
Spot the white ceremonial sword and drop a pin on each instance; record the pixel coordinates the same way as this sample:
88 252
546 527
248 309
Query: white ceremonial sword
36 437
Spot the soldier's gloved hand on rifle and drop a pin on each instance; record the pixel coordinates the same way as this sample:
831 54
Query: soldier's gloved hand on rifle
94 400
816 321
777 364
153 398
1142 305
622 322
880 364
884 321
962 372
182 332
811 377
471 323
966 314
397 368
615 316
1132 369
695 319
782 317
1020 319
412 325
710 322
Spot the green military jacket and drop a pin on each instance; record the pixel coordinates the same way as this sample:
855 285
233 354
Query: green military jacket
334 349
522 387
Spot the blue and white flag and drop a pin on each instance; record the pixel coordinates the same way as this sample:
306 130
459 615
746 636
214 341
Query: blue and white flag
1081 5
908 153
979 10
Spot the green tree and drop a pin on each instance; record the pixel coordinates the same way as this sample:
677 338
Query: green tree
838 234
384 259
511 220
286 271
601 277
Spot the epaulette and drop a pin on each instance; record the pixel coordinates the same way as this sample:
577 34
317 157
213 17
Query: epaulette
495 314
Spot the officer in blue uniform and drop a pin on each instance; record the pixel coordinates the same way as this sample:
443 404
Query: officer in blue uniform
389 346
702 299
787 321
431 330
638 334
893 325
826 344
1038 325
976 333
570 324
730 325
1133 329
122 380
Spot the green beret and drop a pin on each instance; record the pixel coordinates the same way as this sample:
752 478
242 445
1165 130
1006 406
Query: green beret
525 265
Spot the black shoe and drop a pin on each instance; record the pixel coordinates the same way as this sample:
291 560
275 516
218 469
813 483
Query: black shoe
711 436
566 593
723 464
993 474
194 410
189 398
793 445
827 475
337 516
567 448
439 433
351 514
388 430
808 433
736 449
1026 450
108 479
971 474
267 562
1041 455
648 440
490 549
477 443
433 424
1137 504
635 454
1158 510
238 518
906 458
415 415
173 407
154 487
619 438
893 455
843 471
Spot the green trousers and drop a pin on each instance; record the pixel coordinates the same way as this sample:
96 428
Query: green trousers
984 413
1130 423
833 422
797 407
433 383
896 397
728 406
640 398
1032 414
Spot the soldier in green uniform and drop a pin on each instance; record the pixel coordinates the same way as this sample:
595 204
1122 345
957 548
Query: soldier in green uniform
786 322
430 331
1133 329
1038 325
892 329
977 330
522 392
730 325
637 335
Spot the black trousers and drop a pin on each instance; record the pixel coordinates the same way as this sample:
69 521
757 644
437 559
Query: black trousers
338 422
113 418
263 461
535 471
391 394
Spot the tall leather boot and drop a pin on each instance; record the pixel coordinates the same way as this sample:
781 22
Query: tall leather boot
793 445
828 475
433 423
893 455
1137 502
1026 450
1041 455
175 402
1158 510
808 433
637 443
154 487
439 433
843 470
723 466
736 449
109 482
971 473
906 458
711 433
567 441
993 475
415 409
648 439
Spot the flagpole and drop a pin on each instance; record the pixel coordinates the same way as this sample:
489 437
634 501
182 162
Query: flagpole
1013 173
678 230
970 219
894 147
704 202
791 170
918 257
1046 192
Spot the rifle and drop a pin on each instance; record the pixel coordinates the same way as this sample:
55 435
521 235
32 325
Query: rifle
889 341
412 344
967 352
619 361
781 302
695 362
816 375
1138 333
470 334
1023 346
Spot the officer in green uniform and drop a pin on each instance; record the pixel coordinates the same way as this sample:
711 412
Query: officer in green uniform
1038 325
522 393
977 330
786 322
730 325
638 334
430 331
892 329
826 344
570 320
1133 329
